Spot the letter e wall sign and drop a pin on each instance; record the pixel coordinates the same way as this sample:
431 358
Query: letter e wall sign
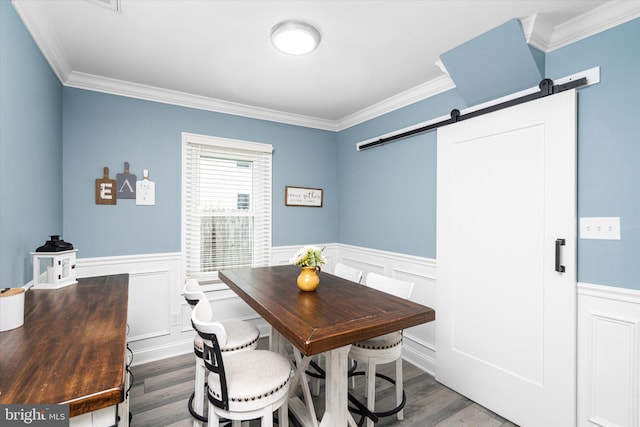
106 189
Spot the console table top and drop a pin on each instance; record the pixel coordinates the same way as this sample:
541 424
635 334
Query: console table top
71 348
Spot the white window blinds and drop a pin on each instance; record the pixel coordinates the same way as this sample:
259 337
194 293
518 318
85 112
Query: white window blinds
226 205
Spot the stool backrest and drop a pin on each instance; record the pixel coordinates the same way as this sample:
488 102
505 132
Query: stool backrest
347 272
192 292
212 333
395 287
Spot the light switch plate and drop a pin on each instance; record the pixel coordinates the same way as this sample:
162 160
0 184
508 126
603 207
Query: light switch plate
602 228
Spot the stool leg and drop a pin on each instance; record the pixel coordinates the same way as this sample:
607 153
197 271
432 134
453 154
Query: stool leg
315 382
267 417
399 387
283 414
352 383
371 389
214 421
198 399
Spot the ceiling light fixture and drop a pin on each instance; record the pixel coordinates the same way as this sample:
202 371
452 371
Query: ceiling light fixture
295 37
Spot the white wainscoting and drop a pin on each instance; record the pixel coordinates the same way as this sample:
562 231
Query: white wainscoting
608 321
608 356
160 319
154 301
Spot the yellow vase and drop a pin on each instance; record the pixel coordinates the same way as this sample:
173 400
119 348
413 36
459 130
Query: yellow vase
308 280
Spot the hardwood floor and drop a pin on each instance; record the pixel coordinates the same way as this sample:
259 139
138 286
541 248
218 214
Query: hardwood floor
160 391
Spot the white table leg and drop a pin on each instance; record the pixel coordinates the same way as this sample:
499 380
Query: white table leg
336 392
304 411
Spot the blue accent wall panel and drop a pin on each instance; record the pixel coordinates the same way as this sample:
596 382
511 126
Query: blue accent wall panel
30 150
496 63
106 130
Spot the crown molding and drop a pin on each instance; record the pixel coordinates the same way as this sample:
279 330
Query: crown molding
166 96
418 93
602 18
542 35
539 32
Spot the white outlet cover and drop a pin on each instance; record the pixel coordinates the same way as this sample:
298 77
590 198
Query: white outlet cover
600 228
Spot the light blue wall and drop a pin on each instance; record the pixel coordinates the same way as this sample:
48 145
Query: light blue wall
106 130
30 150
382 198
387 194
608 149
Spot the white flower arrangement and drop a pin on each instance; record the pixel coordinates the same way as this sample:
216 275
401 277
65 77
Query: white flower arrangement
309 256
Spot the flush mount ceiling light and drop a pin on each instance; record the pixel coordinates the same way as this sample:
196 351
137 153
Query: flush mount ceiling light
295 37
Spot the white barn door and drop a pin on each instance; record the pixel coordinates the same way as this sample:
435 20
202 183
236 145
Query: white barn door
506 319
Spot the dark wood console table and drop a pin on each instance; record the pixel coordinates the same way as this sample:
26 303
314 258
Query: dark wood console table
71 348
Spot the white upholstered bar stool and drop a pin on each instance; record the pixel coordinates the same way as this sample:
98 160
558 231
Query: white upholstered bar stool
383 349
241 385
241 336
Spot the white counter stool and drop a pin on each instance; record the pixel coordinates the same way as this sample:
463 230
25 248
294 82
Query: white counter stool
241 385
383 349
241 336
347 272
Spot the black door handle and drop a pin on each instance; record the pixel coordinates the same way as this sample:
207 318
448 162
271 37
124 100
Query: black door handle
559 268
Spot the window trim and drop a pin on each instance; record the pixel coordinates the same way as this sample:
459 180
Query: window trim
191 138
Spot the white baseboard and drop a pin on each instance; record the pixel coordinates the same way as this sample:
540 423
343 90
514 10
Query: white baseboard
148 354
420 354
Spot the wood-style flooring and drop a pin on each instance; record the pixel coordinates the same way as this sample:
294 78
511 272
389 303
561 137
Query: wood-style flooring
160 391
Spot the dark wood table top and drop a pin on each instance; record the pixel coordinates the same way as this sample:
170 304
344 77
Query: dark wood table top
71 348
338 313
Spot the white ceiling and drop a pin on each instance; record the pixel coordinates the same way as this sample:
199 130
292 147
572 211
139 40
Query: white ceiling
374 55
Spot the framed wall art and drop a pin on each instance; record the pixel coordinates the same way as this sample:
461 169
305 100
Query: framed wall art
302 196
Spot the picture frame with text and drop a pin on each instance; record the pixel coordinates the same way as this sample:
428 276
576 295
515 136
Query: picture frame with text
303 196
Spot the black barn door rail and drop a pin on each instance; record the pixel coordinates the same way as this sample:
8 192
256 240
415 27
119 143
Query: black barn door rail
546 88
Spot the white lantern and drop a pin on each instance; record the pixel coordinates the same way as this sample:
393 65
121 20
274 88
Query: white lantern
54 270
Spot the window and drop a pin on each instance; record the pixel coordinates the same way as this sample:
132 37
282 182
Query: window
226 205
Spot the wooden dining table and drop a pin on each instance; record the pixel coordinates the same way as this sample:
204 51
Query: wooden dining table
328 320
